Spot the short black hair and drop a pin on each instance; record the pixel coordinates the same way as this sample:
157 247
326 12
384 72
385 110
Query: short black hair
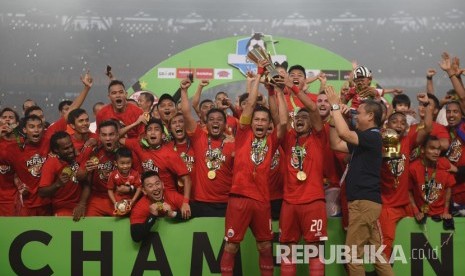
243 97
74 114
54 140
32 117
205 101
30 109
429 138
221 92
216 110
148 174
95 106
297 67
7 109
115 82
62 104
123 152
110 122
155 121
401 99
148 96
261 108
377 110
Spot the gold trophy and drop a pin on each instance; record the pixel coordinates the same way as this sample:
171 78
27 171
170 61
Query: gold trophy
258 54
391 144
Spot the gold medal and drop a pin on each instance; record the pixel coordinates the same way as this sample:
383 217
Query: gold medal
301 175
211 175
159 205
146 116
94 160
425 208
68 171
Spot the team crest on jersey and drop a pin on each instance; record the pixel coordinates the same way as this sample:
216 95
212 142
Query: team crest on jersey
431 191
149 166
188 160
397 165
455 151
214 158
34 165
105 169
230 233
4 169
275 160
259 150
297 156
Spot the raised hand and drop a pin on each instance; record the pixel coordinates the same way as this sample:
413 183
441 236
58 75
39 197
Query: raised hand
87 79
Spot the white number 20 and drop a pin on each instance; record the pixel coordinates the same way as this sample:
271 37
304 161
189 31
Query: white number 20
316 223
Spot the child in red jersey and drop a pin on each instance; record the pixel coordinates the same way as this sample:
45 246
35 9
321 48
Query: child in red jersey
124 175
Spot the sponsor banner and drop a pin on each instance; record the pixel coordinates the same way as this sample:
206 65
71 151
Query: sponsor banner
331 74
166 73
344 74
204 73
312 72
103 246
223 74
182 73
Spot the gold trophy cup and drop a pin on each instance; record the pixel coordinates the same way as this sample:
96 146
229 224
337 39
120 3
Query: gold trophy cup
258 54
391 144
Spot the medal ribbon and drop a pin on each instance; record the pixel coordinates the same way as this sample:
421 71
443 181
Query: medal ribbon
258 147
209 155
300 151
428 183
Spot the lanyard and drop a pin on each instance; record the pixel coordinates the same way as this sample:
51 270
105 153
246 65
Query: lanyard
300 151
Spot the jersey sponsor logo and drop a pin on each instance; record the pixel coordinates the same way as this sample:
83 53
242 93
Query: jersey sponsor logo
431 191
397 165
275 160
104 169
188 160
455 151
149 166
34 164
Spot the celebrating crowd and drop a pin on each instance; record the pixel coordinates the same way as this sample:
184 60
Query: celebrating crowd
279 152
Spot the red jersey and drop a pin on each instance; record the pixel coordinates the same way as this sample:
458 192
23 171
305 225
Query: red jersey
304 153
436 195
186 152
79 144
141 212
456 155
125 118
231 124
438 130
27 160
99 176
333 169
278 170
166 162
69 194
8 189
293 103
117 179
394 174
212 155
252 164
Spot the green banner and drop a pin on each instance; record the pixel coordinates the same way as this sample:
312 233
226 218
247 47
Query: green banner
103 246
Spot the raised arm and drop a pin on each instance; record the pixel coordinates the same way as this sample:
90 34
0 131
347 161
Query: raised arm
340 124
429 80
189 121
79 100
451 67
428 121
196 97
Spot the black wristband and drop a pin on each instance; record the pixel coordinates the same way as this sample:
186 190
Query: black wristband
429 77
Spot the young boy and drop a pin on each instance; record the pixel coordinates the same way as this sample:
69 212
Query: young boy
401 103
430 183
123 175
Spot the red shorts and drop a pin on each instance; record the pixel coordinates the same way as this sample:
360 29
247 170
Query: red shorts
388 221
243 212
8 210
307 220
99 206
